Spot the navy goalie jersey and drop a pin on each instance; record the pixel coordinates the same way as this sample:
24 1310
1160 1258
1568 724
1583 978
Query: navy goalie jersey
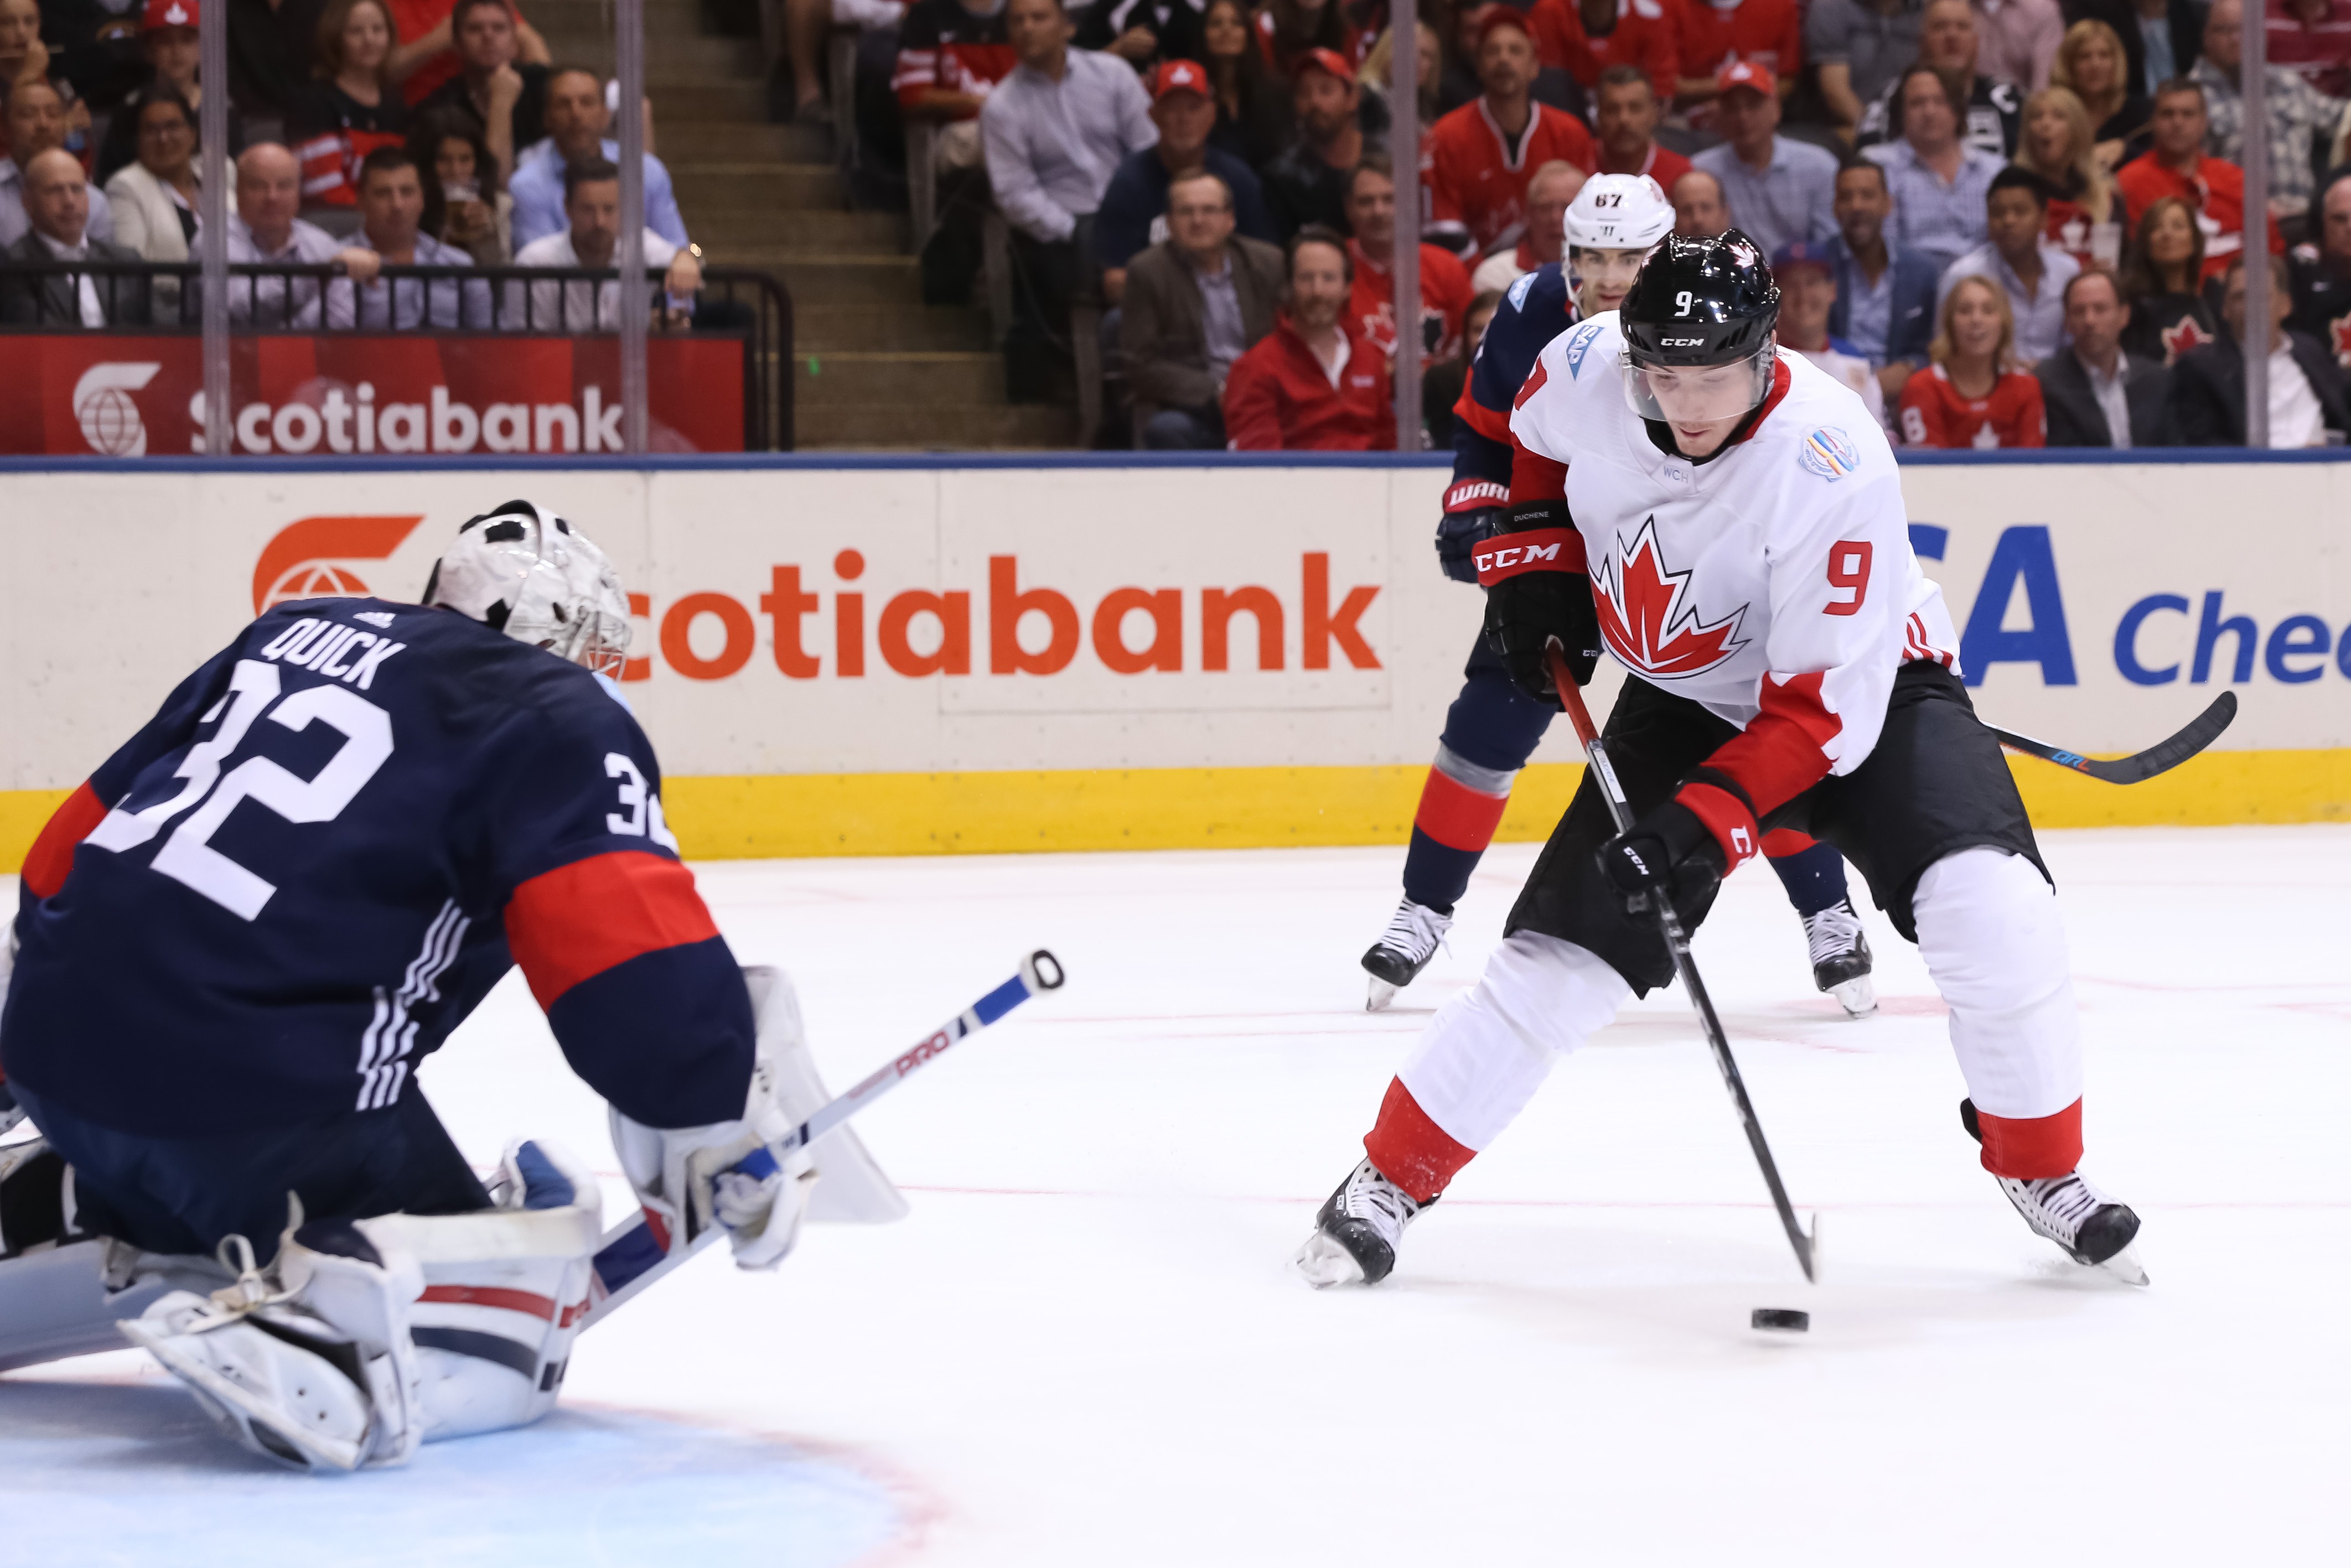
321 855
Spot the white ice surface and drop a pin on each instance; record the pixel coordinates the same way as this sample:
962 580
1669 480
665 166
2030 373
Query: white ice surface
1084 1347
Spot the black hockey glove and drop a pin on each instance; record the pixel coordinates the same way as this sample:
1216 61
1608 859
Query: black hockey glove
1536 590
1458 535
1667 847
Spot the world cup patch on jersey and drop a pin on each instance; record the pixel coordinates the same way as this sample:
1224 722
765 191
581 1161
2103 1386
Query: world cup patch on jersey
1519 288
1829 452
1578 346
1646 615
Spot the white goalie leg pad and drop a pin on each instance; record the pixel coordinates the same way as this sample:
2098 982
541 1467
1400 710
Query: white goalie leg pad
1488 1050
1991 935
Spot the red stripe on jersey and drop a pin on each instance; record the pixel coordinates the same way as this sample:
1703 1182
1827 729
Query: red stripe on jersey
492 1297
1492 423
576 921
1778 755
2031 1149
1457 816
1534 477
1411 1151
1783 842
51 856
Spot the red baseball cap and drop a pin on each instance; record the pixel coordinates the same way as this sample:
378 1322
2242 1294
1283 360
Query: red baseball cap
1182 76
1330 60
1746 74
162 14
1502 15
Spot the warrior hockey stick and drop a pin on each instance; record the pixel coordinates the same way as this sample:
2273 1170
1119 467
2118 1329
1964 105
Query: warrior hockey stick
641 1250
2200 732
1677 943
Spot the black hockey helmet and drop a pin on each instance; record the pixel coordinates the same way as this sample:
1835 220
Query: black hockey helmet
1701 301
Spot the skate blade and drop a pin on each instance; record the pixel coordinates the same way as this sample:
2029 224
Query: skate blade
1322 1262
1381 994
2125 1266
1858 997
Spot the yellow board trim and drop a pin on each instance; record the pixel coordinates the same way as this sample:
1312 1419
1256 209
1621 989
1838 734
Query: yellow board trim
760 817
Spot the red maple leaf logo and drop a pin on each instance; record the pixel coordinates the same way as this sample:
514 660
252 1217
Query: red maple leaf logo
2179 337
1646 615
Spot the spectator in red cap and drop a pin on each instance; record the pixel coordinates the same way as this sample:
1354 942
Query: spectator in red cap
1445 288
1766 33
1626 110
1310 385
1806 273
1782 191
168 38
1133 213
1568 37
1308 183
1481 155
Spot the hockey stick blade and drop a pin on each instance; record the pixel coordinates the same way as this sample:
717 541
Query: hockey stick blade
1669 927
2160 758
637 1253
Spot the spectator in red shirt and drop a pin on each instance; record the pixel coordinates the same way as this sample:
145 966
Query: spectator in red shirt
1642 34
2313 37
1445 288
1310 385
2176 166
1714 37
1550 190
427 58
1625 119
1973 394
1481 155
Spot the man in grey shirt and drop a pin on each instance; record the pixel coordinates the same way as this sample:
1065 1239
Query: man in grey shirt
1780 191
1859 47
1194 305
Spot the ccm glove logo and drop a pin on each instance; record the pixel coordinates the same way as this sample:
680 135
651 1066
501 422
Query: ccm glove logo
1536 550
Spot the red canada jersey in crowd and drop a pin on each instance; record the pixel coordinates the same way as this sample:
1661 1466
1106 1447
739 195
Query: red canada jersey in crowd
1476 177
1445 293
2319 51
330 163
1934 414
1768 33
1280 397
412 19
944 47
2072 230
2216 190
1644 37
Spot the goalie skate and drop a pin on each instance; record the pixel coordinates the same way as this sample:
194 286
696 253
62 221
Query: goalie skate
1840 955
1403 949
1357 1230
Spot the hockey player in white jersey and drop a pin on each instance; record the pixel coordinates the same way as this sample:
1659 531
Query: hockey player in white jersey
1727 521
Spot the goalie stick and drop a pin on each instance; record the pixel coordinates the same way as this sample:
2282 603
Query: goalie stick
640 1250
1677 943
2200 732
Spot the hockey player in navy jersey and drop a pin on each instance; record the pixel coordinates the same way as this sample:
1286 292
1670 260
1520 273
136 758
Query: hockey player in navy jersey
1491 728
238 939
1726 521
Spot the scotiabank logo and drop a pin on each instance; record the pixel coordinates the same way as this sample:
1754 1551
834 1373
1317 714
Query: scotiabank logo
106 412
310 560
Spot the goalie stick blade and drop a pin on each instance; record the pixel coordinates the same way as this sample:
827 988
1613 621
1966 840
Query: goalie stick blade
2162 757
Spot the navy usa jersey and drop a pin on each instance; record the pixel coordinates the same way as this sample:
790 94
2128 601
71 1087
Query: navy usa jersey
321 855
1538 307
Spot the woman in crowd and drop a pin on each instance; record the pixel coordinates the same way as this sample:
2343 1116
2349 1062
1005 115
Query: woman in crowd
1379 69
172 56
1972 393
352 107
2161 279
2091 66
154 197
2086 216
463 205
1253 112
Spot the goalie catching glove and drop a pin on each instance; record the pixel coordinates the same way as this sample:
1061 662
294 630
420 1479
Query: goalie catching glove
1536 591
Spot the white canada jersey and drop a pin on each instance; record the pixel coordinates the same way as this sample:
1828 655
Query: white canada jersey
1774 581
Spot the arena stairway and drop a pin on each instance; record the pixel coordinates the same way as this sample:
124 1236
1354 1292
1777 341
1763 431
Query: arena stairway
873 367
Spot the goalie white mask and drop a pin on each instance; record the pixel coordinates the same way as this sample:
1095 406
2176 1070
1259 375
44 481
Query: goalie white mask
525 571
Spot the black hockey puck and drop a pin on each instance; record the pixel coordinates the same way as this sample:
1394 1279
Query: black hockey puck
1787 1320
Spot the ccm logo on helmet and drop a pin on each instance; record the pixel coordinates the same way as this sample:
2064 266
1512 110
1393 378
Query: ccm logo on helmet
1682 342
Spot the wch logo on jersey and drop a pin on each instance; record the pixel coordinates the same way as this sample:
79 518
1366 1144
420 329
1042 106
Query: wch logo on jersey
1646 615
307 560
1829 452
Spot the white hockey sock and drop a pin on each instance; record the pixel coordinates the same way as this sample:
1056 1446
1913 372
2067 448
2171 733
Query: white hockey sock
1990 933
1488 1050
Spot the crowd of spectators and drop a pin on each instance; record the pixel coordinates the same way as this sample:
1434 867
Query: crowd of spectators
2003 221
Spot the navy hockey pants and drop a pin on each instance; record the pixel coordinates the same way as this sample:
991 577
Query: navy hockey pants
183 1194
1491 731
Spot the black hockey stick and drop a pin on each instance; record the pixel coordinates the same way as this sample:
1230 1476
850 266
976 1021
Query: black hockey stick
2200 732
1677 943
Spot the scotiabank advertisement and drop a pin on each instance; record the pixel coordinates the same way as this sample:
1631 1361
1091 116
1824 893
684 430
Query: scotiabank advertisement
800 621
329 397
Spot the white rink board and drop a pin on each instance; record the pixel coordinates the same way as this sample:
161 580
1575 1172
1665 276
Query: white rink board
115 583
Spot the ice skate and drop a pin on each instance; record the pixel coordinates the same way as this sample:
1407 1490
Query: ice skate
1403 949
1839 954
1357 1230
2092 1228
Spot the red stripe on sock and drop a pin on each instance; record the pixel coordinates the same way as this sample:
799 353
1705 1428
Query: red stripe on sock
1457 816
2031 1149
1411 1151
